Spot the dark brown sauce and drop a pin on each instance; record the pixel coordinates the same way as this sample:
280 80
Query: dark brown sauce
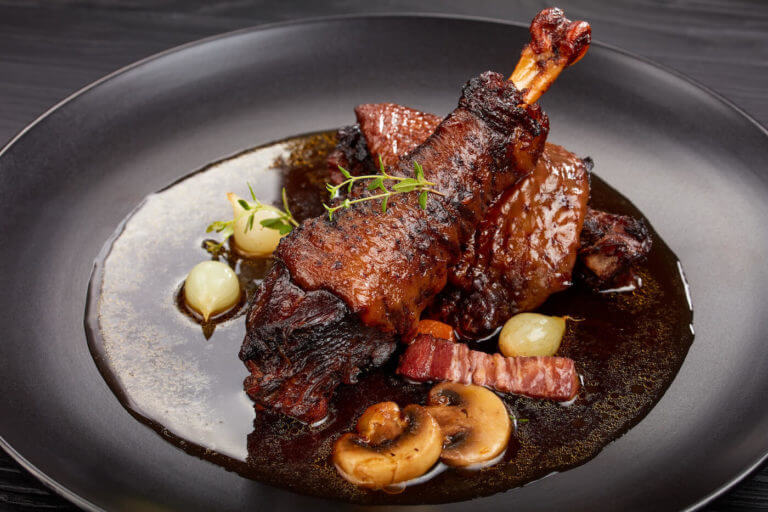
627 347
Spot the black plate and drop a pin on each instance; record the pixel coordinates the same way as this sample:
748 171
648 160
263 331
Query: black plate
691 161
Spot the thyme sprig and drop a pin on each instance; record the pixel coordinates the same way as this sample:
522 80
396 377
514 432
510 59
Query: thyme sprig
379 181
284 222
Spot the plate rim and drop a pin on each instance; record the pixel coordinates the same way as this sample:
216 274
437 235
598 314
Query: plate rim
86 504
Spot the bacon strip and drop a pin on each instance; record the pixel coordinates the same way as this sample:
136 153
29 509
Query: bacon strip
429 359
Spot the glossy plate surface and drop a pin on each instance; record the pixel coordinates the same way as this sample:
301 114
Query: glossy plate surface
694 164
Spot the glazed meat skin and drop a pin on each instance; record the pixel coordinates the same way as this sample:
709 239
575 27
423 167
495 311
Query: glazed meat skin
433 359
387 267
392 130
526 247
377 271
524 250
385 130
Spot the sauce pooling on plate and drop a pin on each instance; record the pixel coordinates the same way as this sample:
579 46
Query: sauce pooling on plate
185 380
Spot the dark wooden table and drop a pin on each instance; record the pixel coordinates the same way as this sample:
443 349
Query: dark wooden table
49 49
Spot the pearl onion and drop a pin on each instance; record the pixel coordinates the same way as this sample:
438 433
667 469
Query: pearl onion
531 334
258 241
211 287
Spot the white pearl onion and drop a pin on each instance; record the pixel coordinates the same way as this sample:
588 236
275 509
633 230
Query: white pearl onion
531 334
211 287
258 241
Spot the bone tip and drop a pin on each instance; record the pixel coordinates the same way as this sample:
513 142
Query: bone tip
577 40
551 30
548 15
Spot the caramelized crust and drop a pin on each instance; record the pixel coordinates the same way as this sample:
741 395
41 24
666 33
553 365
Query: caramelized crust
392 130
523 251
342 289
387 267
526 247
351 153
300 345
383 130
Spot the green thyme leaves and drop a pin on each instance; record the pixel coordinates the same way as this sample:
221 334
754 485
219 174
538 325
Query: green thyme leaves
283 222
379 182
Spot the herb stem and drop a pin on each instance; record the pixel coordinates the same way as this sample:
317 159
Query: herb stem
402 185
288 217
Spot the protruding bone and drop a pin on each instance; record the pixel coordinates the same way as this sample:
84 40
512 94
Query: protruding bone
556 43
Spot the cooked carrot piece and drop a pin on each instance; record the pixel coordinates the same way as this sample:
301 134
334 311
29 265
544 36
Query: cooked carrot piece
436 329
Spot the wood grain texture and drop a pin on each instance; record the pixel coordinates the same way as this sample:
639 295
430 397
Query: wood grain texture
51 48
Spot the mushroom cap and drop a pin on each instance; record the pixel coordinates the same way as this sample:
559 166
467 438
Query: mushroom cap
390 447
475 423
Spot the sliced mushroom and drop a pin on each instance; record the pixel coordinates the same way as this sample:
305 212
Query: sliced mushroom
475 423
391 446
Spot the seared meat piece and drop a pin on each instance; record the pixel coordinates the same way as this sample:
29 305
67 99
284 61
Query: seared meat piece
610 245
523 251
433 359
385 268
392 130
351 152
301 344
384 130
526 247
389 266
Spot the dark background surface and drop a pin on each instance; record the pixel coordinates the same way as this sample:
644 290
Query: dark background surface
49 49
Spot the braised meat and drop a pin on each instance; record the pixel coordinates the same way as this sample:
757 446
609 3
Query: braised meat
383 130
389 266
386 267
433 359
392 130
523 251
351 153
526 247
301 344
610 246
